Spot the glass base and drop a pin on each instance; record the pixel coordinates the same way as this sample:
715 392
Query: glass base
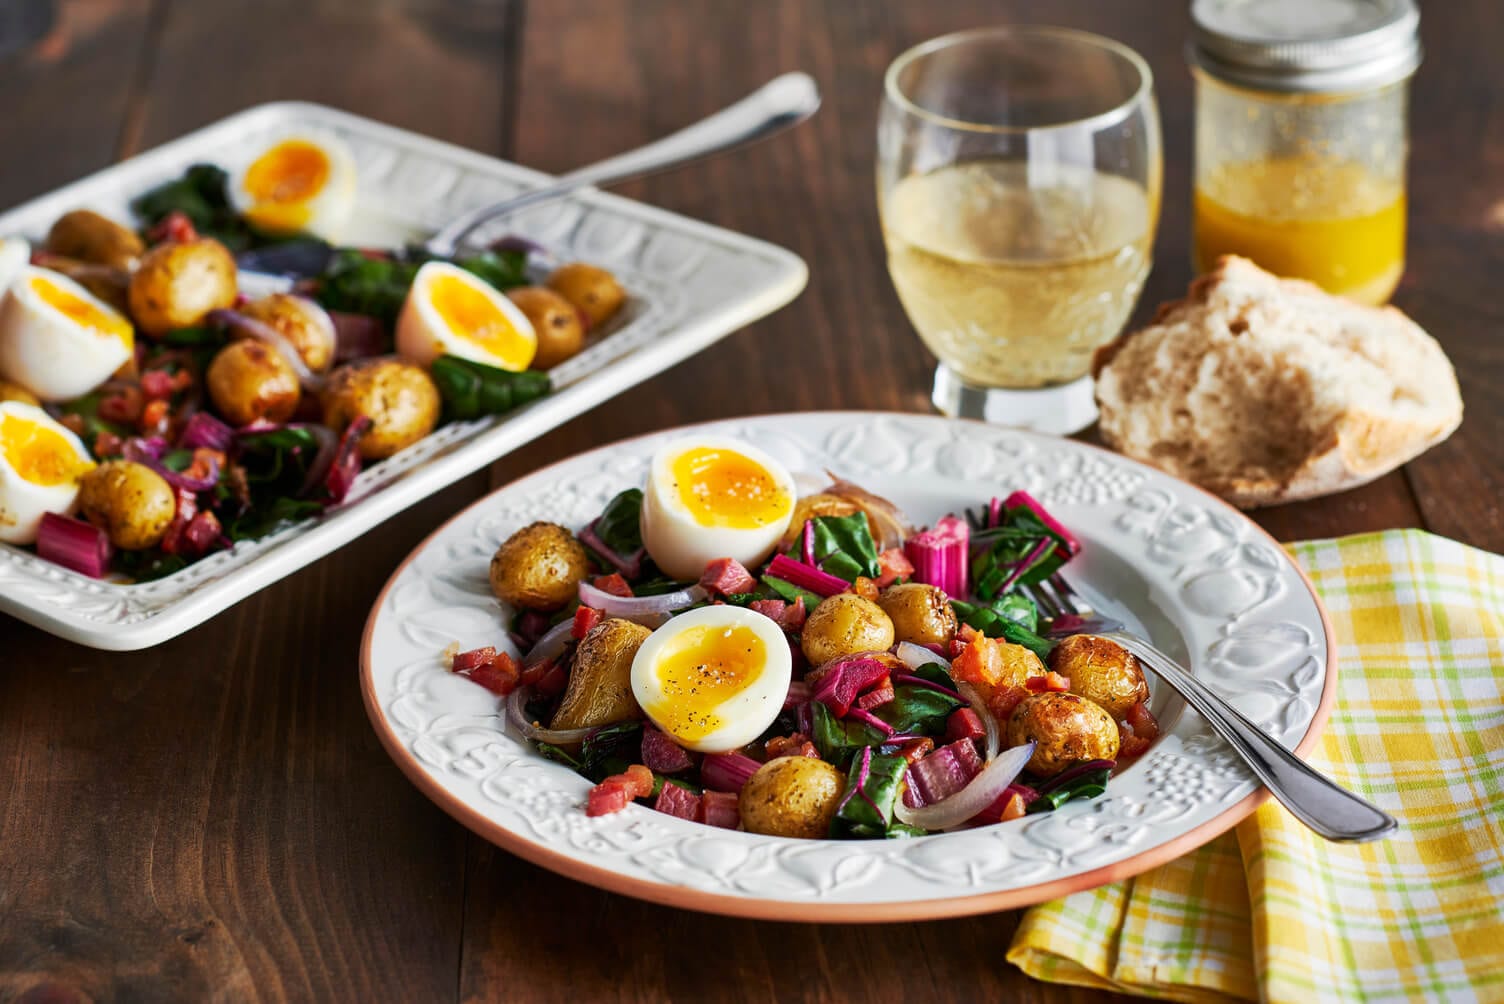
1061 410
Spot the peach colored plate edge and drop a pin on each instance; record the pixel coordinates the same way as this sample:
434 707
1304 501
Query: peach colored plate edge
843 913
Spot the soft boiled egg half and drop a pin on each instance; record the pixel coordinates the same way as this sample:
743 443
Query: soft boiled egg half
57 339
710 498
713 679
299 183
452 312
40 464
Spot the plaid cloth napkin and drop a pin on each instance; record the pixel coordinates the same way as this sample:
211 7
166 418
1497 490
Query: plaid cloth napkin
1272 912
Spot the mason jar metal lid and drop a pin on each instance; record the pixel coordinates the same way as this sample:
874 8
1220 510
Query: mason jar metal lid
1306 46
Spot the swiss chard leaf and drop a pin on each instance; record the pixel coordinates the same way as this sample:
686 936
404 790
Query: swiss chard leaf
202 195
1018 608
502 269
357 283
838 741
917 709
1088 785
871 791
843 546
144 566
472 389
993 625
1016 541
261 519
789 592
619 526
610 750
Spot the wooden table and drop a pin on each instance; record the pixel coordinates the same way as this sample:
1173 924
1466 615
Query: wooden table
214 817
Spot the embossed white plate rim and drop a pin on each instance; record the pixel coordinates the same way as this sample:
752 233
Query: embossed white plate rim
610 852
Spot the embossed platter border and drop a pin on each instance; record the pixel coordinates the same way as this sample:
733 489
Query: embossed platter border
689 283
1200 578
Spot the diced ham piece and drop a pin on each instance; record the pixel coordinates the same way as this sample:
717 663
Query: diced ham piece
662 754
727 576
1002 702
499 676
676 801
964 723
797 744
613 584
879 695
585 618
1050 682
466 661
917 749
893 565
619 790
721 809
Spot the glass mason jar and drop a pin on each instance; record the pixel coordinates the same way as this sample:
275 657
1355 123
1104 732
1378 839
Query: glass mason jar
1301 138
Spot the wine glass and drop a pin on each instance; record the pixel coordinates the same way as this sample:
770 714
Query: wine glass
1018 181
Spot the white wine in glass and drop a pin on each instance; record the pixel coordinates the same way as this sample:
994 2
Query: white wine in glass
1018 213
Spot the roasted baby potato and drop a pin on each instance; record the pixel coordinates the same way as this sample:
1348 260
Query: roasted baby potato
600 683
845 624
593 291
921 614
176 284
306 325
561 334
249 380
792 796
15 392
86 236
539 567
399 398
1102 671
130 502
1068 728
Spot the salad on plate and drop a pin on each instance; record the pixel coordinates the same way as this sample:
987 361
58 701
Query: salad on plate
720 648
159 404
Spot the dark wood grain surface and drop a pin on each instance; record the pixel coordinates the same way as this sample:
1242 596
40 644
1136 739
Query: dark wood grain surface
213 818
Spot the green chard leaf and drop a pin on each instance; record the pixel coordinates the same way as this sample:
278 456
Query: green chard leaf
470 389
872 789
838 741
843 546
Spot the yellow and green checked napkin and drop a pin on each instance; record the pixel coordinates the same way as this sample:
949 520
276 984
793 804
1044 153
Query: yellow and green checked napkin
1272 911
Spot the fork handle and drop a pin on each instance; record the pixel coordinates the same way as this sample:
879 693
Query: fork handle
1320 803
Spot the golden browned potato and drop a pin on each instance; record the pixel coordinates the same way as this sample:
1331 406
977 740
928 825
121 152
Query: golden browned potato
399 398
792 796
556 322
594 291
1102 671
921 614
130 502
539 567
86 236
249 380
306 325
1068 729
845 624
600 683
176 284
15 392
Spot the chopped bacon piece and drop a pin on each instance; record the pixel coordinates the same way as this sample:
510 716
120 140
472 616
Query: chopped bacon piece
499 676
532 674
893 565
865 588
618 791
771 609
157 385
153 418
792 620
466 661
797 744
662 754
585 618
172 540
202 533
880 694
917 749
1136 732
680 802
727 576
174 228
1002 702
613 584
1050 682
553 682
122 405
1142 721
964 723
107 444
722 809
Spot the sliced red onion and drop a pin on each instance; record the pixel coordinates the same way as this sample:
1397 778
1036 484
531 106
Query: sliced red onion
553 643
345 466
914 656
147 453
887 522
244 324
636 608
323 460
517 716
983 790
516 242
979 706
204 430
630 566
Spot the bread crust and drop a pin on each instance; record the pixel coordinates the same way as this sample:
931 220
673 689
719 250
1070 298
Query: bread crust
1267 390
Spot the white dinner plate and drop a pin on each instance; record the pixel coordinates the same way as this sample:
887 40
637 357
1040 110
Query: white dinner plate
1199 578
688 284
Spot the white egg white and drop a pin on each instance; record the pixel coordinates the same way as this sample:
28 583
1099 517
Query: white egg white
327 210
48 352
423 335
23 503
746 714
678 542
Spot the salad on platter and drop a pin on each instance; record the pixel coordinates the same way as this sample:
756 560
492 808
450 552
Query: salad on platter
722 649
157 406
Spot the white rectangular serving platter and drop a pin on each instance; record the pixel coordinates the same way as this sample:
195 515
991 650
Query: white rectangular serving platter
689 284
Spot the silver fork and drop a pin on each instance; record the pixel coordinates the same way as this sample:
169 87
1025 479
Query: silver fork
1330 810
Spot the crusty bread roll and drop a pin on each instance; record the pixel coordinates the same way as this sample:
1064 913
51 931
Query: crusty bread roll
1267 390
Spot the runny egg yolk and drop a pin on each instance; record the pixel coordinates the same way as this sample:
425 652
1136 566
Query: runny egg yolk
81 311
38 454
701 669
469 314
282 181
723 488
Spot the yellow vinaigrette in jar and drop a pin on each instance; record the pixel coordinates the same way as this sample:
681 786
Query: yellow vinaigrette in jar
1334 223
